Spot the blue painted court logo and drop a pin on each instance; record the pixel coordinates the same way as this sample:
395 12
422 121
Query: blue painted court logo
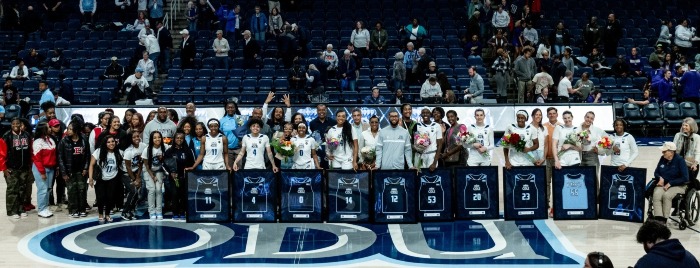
146 243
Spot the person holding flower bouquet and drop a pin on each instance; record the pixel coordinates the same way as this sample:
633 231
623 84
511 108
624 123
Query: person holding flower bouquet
213 148
368 144
624 147
455 155
305 155
519 140
427 141
566 143
541 134
484 142
341 143
283 147
252 148
687 141
589 153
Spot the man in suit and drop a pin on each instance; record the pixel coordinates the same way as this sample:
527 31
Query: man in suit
251 49
187 51
165 41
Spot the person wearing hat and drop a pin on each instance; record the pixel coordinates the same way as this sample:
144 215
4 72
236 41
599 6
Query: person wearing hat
187 50
115 71
136 86
671 176
375 98
658 55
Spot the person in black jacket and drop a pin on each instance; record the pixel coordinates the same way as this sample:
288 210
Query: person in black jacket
73 159
16 164
165 42
288 46
662 251
187 50
297 79
251 50
612 35
178 185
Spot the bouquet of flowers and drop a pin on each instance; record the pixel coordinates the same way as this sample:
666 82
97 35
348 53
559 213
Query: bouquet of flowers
471 139
421 142
283 148
462 136
369 154
332 144
584 137
571 139
604 145
513 141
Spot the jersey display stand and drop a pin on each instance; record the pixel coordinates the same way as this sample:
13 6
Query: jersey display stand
574 192
208 196
348 196
524 190
395 196
255 195
434 195
301 192
476 192
622 194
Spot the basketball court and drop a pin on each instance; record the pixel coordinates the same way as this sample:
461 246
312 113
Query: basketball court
61 241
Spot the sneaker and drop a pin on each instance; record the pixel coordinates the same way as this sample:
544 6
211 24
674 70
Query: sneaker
153 217
24 215
57 208
16 216
75 215
45 214
127 216
159 217
83 214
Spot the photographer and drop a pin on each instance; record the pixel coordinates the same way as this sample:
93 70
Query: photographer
136 87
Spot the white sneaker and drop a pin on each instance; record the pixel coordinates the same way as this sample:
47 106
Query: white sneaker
24 215
16 216
45 214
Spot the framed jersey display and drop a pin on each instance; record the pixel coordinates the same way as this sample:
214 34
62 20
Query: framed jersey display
574 192
255 195
622 194
208 196
476 192
524 190
394 196
348 196
301 192
434 194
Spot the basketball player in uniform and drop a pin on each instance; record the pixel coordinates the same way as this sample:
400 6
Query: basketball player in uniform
528 134
570 155
428 158
345 155
253 147
478 152
305 157
213 149
624 149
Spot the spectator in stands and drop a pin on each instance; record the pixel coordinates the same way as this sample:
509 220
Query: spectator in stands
683 37
399 75
501 67
671 174
315 82
544 60
136 87
409 61
187 50
165 43
221 13
543 97
398 97
10 93
53 9
356 57
525 70
560 38
116 72
475 92
233 22
647 98
612 34
360 39
141 6
473 47
635 63
423 64
251 50
146 30
276 22
596 96
287 46
331 59
498 41
375 98
444 83
56 61
474 24
558 71
147 65
34 61
544 46
156 9
431 71
378 40
141 21
297 80
665 34
500 19
31 23
530 34
273 4
191 16
430 91
205 14
153 49
658 55
161 124
87 9
517 38
663 87
60 101
667 63
567 60
321 66
542 80
415 33
591 35
10 19
346 71
621 68
691 84
221 48
661 250
564 89
585 86
20 71
682 63
258 25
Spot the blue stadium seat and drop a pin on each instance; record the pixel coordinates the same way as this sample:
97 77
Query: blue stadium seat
76 64
78 85
461 73
472 60
281 84
185 85
252 73
248 97
165 98
181 98
440 53
199 97
265 85
84 74
169 85
267 74
189 74
220 74
379 73
233 85
103 45
29 85
70 73
201 85
608 82
93 85
217 85
205 74
249 84
625 83
443 62
109 84
86 98
236 74
174 73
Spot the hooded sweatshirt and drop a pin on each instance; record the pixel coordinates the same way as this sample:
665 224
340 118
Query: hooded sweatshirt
668 253
167 128
44 154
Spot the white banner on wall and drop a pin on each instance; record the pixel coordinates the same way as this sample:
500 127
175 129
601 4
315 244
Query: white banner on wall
497 116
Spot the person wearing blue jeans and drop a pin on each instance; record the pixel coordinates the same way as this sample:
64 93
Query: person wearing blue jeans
258 25
44 164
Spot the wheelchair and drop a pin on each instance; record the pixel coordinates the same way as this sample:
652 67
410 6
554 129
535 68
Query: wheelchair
686 206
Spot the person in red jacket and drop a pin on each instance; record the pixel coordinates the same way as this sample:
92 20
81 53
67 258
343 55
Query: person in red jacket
15 163
44 159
